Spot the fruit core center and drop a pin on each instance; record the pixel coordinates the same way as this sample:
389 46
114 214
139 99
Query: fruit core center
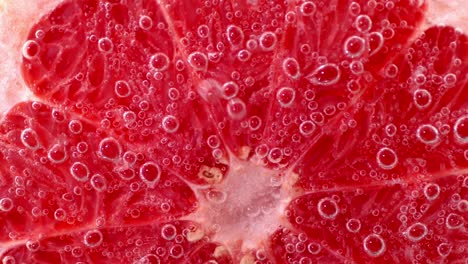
245 208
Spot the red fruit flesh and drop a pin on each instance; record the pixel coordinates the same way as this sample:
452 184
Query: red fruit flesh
237 132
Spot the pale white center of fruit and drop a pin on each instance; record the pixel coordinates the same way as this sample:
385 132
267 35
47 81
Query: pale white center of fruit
246 208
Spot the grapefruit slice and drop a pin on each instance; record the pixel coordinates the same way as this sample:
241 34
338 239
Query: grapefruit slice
237 132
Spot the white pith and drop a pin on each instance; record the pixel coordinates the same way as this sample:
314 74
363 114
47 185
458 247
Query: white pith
253 209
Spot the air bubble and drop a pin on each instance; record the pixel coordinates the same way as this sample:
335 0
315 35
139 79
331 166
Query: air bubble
354 46
454 221
444 249
363 23
317 117
285 96
58 116
6 204
126 174
307 128
387 158
354 9
450 79
375 41
216 196
460 130
255 123
390 130
93 238
57 154
244 55
82 147
229 90
305 49
236 109
168 232
261 150
416 232
149 259
390 5
290 17
251 44
374 245
145 22
249 81
75 127
353 86
122 89
30 139
214 57
391 71
465 182
98 182
327 208
60 214
77 190
420 79
268 41
356 67
431 191
150 173
176 251
8 260
39 34
220 46
130 157
422 98
235 35
260 254
327 74
217 154
462 206
314 248
180 65
428 134
203 31
353 225
170 124
198 61
173 94
77 252
388 33
32 245
213 141
308 8
129 117
79 171
36 105
275 155
105 45
159 62
109 149
291 68
309 95
30 49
